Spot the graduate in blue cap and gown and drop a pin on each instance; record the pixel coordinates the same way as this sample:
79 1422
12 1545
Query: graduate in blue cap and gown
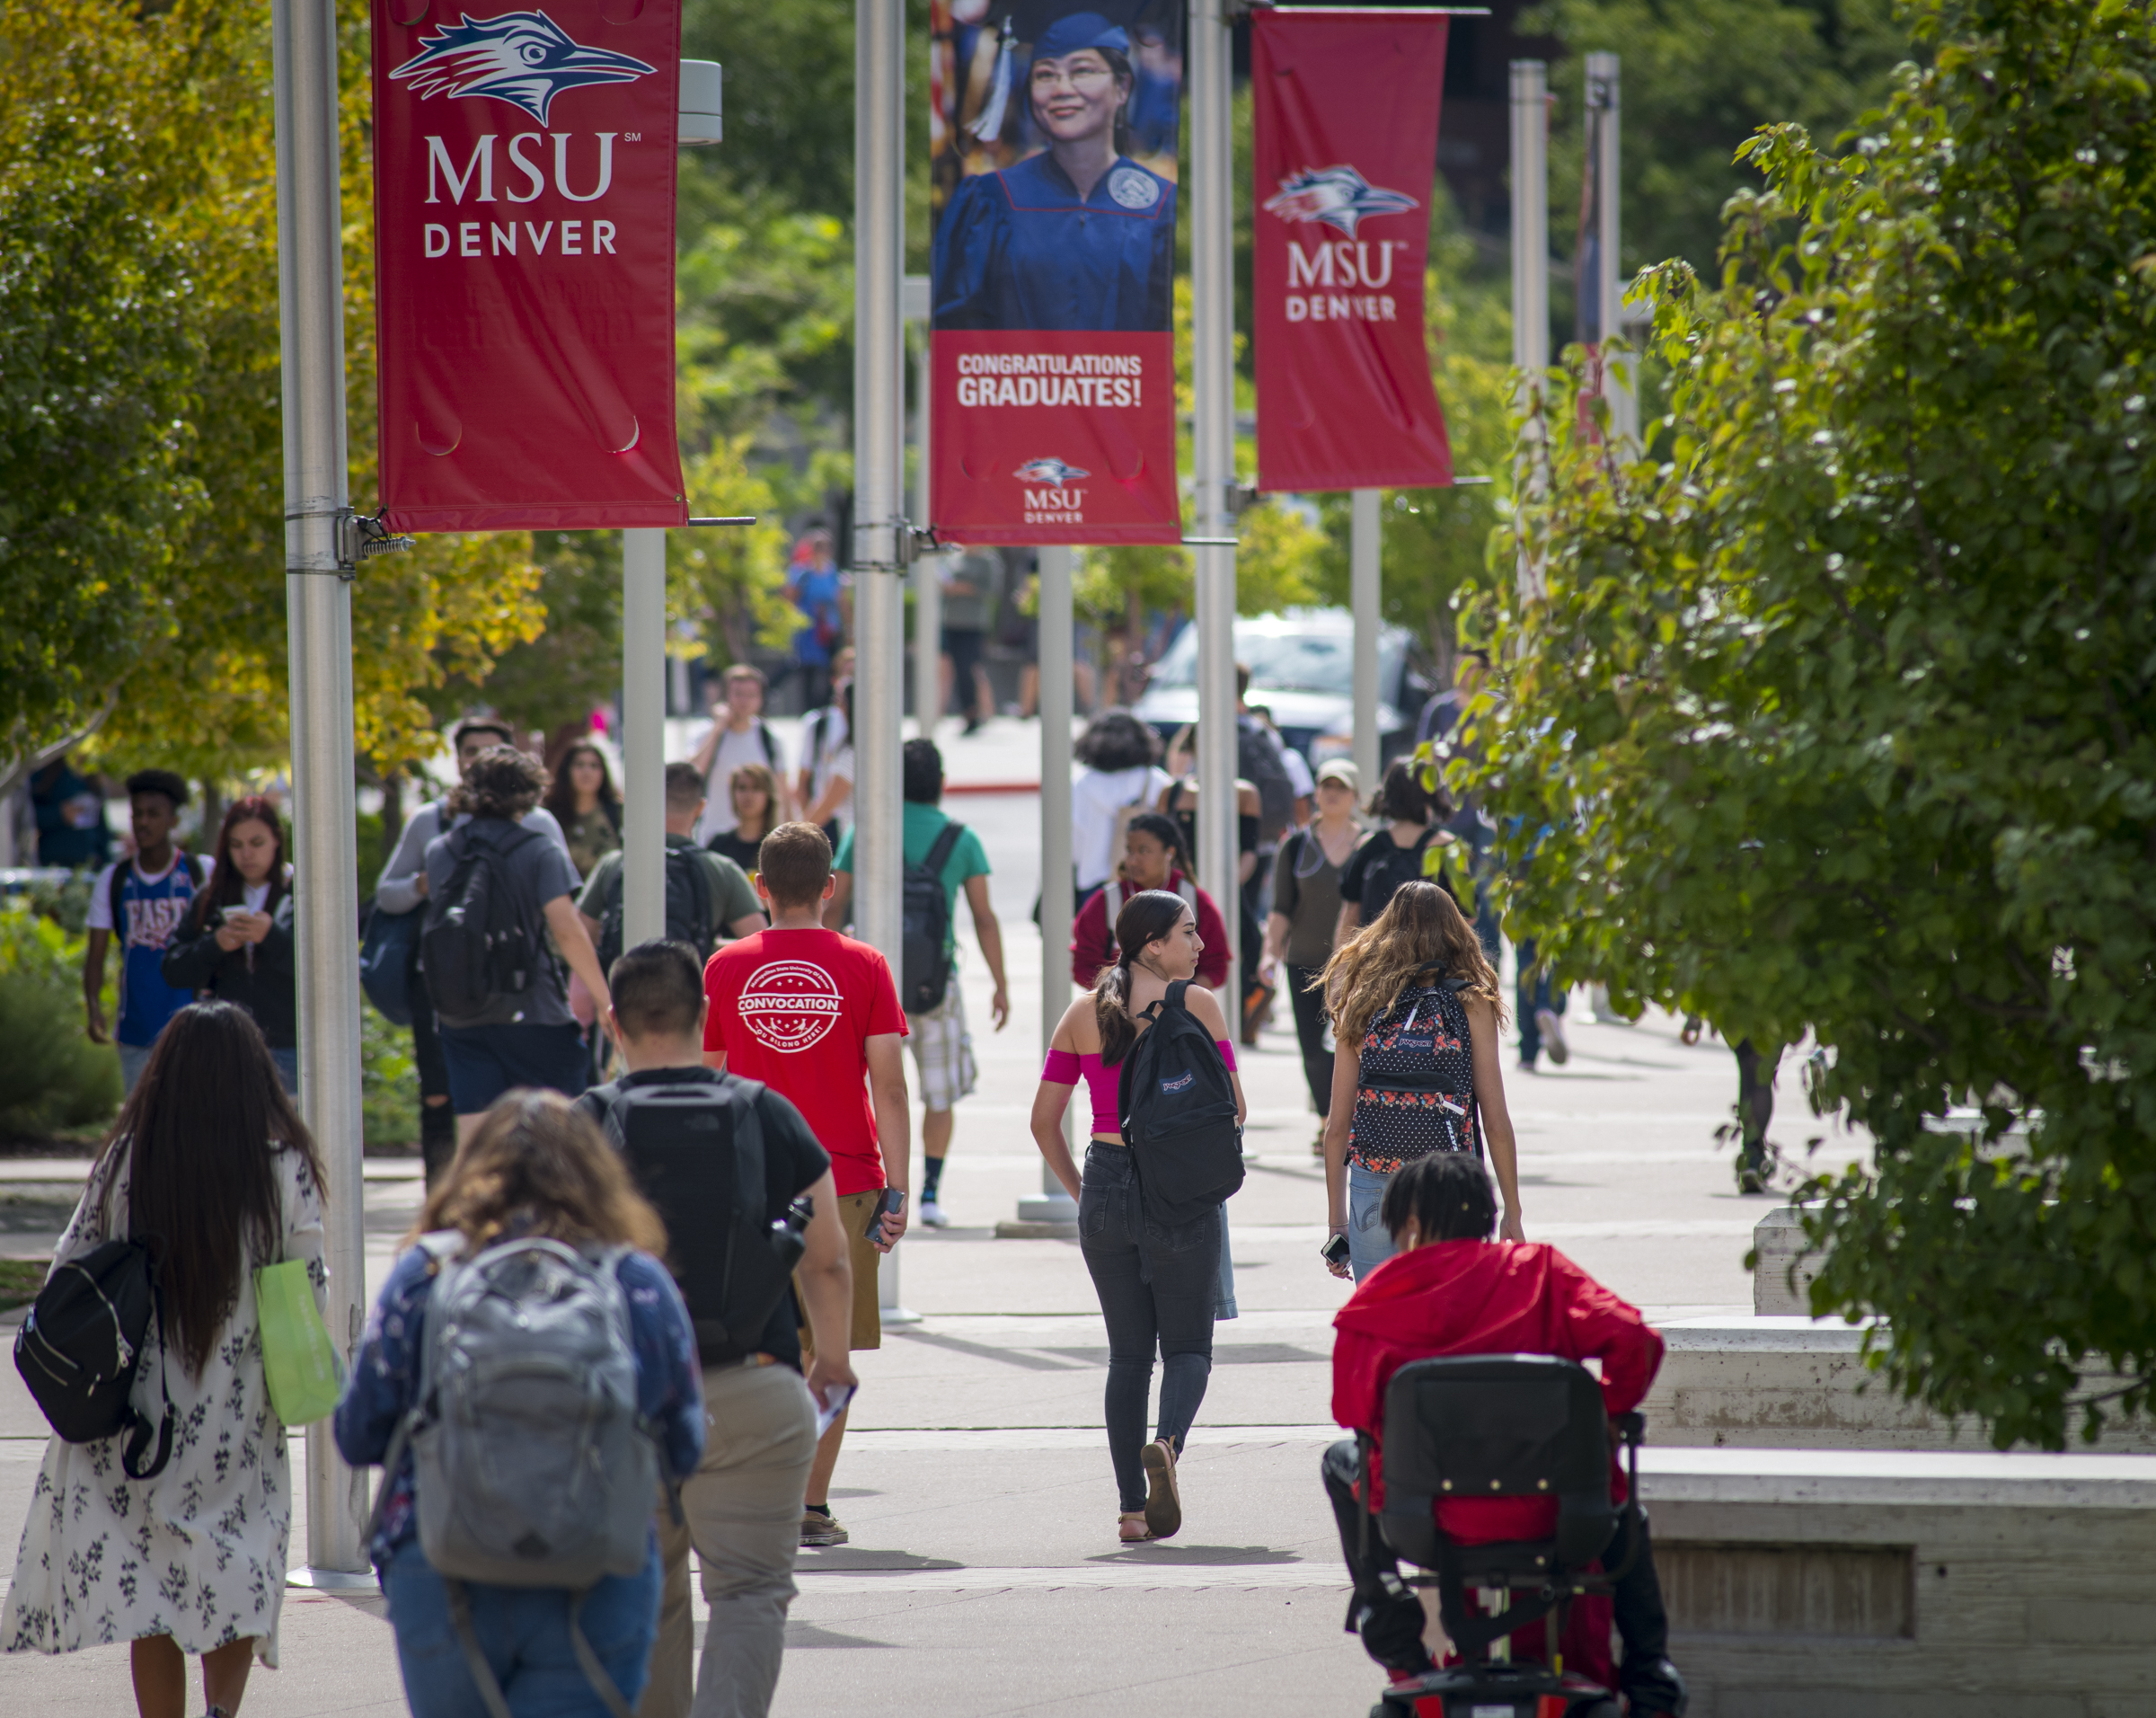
1079 237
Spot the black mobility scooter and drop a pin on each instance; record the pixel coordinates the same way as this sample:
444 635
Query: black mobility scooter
1496 1426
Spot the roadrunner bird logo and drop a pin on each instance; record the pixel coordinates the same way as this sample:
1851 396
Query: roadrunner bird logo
1339 196
522 57
1052 471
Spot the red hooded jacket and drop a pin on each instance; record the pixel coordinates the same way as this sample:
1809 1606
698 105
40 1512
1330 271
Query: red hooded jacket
1484 1297
1093 937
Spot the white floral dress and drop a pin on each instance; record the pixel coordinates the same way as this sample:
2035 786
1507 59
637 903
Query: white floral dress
198 1553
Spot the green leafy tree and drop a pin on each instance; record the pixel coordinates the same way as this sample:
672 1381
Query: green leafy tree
1843 716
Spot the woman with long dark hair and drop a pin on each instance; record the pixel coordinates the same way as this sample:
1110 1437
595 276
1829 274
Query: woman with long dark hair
235 943
583 801
1156 1287
537 1167
1155 856
211 1168
1413 825
1416 1011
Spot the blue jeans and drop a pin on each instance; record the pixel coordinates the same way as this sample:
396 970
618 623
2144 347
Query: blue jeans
1528 996
1369 1244
1159 1288
133 1059
524 1633
288 1069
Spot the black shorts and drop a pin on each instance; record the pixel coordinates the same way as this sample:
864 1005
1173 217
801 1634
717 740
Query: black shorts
963 645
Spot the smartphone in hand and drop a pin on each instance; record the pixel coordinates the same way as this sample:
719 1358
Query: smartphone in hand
890 1202
1335 1250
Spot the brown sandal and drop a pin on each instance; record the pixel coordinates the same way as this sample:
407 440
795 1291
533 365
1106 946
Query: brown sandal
1131 1528
1163 1502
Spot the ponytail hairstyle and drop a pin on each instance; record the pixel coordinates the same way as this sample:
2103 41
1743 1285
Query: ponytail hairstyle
1169 833
1421 933
1146 917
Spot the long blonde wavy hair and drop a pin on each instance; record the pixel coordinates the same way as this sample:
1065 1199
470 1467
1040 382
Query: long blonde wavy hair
1421 930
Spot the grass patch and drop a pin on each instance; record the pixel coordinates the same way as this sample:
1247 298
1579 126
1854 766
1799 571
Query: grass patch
20 1280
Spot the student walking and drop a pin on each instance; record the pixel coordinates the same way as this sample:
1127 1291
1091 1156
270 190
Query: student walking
1306 910
737 735
401 888
708 895
235 944
582 800
936 845
832 811
211 1167
494 886
1155 856
1416 1011
146 900
1156 1280
825 732
535 1262
741 1508
1119 776
815 1016
1399 853
755 792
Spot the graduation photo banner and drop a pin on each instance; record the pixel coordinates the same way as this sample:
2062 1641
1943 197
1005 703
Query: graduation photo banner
1344 111
524 253
1052 139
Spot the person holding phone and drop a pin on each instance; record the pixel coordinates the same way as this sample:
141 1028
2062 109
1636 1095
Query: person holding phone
1416 1011
235 944
814 1015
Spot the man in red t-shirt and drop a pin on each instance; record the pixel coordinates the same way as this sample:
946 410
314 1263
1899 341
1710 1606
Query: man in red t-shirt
815 1016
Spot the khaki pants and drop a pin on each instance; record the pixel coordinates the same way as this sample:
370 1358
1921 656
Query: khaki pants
742 1511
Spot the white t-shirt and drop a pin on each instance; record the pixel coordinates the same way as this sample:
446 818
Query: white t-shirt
840 765
735 750
1096 796
1298 772
824 738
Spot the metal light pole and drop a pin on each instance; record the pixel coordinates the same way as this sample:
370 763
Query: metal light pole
318 606
1052 1206
1365 542
1602 108
1530 275
1213 335
879 534
643 736
928 570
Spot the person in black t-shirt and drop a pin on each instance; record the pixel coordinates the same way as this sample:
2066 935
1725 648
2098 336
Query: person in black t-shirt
1396 854
742 1507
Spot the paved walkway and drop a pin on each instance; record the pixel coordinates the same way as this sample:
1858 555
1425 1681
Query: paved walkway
984 1576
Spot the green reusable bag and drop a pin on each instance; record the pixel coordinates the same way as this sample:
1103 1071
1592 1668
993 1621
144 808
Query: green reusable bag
299 1361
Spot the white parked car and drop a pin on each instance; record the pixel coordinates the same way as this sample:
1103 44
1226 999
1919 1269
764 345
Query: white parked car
1301 668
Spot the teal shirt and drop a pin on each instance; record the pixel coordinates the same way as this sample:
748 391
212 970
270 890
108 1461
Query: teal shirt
923 824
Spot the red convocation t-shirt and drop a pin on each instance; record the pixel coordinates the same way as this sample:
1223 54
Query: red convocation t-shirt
795 1009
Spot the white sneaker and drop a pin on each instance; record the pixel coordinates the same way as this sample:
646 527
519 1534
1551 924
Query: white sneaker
933 1216
1553 1036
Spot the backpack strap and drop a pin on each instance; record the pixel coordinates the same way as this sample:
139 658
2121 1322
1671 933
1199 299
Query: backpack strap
1173 1000
946 843
771 746
114 891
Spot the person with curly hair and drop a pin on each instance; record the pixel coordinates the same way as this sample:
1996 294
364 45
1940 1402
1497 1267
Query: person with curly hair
1416 1011
527 1036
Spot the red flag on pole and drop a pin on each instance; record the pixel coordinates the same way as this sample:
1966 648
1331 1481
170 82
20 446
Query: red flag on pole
1346 131
524 246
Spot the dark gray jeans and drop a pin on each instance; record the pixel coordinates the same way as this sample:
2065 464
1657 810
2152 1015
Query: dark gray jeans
1157 1289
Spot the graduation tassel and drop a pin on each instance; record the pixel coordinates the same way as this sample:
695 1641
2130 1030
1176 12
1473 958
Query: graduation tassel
988 124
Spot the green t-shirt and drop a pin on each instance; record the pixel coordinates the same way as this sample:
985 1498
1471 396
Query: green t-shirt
923 824
733 895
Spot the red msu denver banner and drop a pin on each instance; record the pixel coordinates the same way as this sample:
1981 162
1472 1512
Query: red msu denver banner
1346 133
1052 136
524 246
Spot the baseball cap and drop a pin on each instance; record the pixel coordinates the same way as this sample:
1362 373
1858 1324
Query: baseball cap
1339 770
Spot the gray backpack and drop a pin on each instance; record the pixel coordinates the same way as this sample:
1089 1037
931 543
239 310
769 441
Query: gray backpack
532 1464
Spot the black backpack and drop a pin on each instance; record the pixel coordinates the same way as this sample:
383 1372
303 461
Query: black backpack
924 928
81 1344
1177 1106
483 941
692 909
1257 762
695 1144
1392 866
